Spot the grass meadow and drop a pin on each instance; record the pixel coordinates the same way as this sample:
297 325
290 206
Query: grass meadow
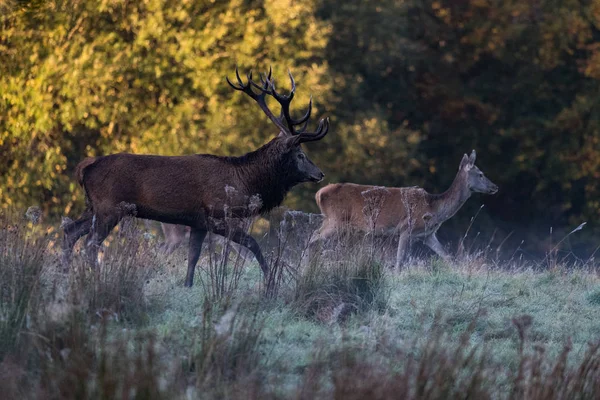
337 325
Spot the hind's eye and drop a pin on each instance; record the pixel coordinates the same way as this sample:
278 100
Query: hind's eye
301 156
481 174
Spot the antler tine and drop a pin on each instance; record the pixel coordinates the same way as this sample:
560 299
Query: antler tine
293 84
265 78
303 128
232 85
321 131
265 86
284 101
237 74
306 116
284 122
240 83
258 97
264 89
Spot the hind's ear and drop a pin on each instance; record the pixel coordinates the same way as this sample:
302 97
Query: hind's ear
465 163
472 158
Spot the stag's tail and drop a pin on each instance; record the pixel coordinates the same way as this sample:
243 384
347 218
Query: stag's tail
80 169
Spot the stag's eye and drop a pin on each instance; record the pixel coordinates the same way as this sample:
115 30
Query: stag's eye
301 156
481 174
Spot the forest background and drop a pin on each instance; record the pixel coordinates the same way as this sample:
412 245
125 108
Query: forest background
409 87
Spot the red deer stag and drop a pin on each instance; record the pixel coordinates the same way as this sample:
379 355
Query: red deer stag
201 191
409 212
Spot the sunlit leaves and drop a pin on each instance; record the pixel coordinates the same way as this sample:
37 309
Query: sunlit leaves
87 78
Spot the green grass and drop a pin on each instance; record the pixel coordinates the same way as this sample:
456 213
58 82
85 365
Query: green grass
432 330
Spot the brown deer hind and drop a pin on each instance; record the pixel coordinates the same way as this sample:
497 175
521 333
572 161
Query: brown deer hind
200 191
408 212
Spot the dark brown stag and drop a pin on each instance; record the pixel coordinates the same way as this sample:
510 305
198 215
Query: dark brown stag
201 191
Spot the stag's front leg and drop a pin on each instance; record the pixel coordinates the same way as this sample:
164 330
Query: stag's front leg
435 245
196 238
242 238
403 242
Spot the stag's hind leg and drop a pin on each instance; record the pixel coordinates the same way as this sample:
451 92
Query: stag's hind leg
196 238
103 224
73 231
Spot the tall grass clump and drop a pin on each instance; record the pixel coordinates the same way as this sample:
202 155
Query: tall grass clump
435 366
347 273
436 369
115 288
288 245
329 291
21 265
221 278
540 377
227 362
77 362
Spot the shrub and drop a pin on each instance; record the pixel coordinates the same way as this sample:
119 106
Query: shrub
21 265
330 291
115 288
227 363
594 297
76 362
441 368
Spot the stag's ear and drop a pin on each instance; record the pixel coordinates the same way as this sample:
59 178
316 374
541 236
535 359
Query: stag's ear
472 158
292 141
465 163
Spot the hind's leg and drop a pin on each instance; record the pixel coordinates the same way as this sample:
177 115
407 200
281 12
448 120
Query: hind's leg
402 250
73 231
103 224
318 242
174 236
435 245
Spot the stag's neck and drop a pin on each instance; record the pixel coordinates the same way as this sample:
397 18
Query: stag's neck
446 204
262 173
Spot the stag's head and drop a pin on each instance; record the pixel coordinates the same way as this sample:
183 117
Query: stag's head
294 160
476 180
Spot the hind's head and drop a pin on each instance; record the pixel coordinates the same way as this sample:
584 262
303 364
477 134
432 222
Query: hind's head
476 180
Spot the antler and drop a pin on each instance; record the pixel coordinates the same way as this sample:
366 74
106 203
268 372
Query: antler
258 97
284 122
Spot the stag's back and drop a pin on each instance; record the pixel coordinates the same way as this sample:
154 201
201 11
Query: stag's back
157 185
